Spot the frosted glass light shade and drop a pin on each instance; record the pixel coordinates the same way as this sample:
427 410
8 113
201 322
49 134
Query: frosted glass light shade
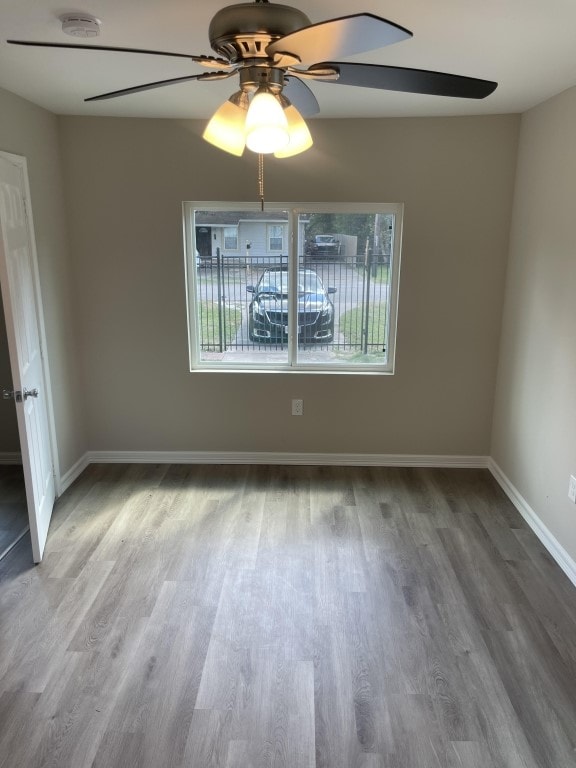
300 138
266 124
226 129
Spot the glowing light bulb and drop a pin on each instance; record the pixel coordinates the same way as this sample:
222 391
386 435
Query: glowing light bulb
226 129
266 124
300 138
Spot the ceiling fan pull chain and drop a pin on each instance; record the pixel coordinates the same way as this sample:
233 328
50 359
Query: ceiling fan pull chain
261 180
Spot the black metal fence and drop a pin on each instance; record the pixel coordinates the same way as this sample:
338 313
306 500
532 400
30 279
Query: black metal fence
354 300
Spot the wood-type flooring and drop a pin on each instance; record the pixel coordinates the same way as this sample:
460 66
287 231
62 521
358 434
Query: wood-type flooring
291 617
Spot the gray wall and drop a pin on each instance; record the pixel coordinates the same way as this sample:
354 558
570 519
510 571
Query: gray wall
534 438
28 130
125 181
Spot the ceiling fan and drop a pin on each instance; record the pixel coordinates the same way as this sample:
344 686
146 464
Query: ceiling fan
274 49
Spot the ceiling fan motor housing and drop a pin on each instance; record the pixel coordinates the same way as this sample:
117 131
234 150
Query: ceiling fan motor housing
253 77
244 31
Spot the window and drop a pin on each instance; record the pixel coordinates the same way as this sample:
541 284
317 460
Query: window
275 237
230 238
315 289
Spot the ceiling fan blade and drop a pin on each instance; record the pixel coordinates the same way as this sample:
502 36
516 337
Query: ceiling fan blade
344 36
209 61
161 84
408 80
301 96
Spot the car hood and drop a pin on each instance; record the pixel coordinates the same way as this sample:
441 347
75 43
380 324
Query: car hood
307 302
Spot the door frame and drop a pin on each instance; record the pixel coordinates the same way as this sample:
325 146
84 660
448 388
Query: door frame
21 162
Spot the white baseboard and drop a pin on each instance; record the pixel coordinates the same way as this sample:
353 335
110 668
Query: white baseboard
13 457
311 459
74 472
542 532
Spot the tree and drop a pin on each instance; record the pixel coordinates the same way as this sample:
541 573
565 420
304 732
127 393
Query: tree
360 225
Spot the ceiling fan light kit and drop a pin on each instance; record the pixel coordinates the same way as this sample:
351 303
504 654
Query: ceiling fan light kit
275 49
269 124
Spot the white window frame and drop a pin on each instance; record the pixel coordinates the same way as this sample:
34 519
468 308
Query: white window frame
270 237
293 210
225 237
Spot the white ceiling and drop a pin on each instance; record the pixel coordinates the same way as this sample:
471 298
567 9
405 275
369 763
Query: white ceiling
527 46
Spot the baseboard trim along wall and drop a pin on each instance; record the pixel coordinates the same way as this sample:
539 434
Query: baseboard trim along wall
553 546
264 457
66 480
238 457
542 531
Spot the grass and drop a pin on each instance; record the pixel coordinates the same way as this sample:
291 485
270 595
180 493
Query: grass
352 322
210 324
380 273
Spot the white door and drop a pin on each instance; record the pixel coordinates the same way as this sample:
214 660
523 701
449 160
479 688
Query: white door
20 294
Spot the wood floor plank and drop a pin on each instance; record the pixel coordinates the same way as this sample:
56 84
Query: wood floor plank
162 714
286 617
503 734
44 637
468 754
558 622
480 576
539 685
417 737
549 572
337 743
16 709
208 739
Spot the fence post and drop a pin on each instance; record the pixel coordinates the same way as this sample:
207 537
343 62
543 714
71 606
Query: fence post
219 275
366 319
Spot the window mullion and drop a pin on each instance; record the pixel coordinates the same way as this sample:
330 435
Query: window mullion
293 296
191 282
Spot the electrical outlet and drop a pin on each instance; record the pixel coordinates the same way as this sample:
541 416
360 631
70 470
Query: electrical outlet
297 407
572 489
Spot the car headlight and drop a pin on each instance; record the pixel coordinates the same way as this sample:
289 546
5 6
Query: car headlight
326 312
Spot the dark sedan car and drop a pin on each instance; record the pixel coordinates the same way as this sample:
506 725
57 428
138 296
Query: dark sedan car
323 245
268 311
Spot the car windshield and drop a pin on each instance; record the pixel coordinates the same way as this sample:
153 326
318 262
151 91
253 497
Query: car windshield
277 283
310 283
274 283
324 239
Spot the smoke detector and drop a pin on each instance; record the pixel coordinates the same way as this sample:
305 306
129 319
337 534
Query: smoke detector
80 25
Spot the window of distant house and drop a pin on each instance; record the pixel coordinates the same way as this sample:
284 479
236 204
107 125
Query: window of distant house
230 238
310 287
275 237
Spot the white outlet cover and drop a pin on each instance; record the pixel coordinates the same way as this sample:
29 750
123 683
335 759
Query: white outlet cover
297 407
